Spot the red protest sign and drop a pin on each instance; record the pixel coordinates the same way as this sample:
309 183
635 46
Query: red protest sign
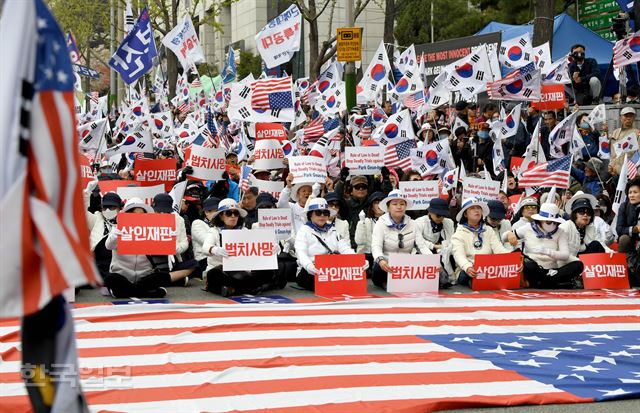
340 274
151 172
146 234
270 131
604 272
516 161
552 97
513 201
86 173
113 185
497 271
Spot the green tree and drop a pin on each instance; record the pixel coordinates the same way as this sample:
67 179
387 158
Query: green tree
249 63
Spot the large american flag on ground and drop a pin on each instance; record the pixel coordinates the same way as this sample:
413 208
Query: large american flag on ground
385 354
555 172
272 94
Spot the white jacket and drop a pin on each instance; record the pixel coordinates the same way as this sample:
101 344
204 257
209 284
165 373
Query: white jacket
364 233
133 267
573 238
385 239
502 231
96 223
297 211
212 240
430 237
342 227
199 232
463 250
605 235
308 246
558 244
182 242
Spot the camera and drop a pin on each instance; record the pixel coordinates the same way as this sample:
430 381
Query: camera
620 25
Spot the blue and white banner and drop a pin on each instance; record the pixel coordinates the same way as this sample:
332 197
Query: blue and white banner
135 55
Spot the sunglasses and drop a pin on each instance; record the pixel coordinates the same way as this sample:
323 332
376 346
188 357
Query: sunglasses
335 204
583 212
360 187
321 213
401 241
231 213
530 207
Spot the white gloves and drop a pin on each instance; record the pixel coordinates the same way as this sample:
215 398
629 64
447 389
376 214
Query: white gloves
116 231
220 252
366 265
174 233
541 250
362 215
91 186
315 189
311 269
172 260
556 255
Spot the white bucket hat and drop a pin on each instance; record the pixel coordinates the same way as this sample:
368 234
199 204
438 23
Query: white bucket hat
468 203
296 188
395 194
137 203
580 195
317 204
548 212
229 204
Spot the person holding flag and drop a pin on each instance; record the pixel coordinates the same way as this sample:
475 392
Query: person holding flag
626 129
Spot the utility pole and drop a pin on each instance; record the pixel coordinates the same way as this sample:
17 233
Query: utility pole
350 68
543 22
431 18
113 87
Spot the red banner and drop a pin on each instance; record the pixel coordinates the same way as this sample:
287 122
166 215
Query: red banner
146 234
497 271
516 161
602 271
552 97
340 274
270 131
86 173
113 185
151 172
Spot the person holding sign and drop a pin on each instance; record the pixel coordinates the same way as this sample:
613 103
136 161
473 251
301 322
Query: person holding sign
395 232
437 229
473 237
100 224
299 193
200 228
230 217
317 237
133 275
547 260
581 231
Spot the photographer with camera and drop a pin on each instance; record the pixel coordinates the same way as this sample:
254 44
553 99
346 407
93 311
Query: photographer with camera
585 76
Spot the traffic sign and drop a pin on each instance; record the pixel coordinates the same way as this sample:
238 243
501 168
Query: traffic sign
349 44
593 8
603 21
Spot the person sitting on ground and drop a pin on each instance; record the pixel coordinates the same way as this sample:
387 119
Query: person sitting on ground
582 234
338 209
299 193
496 221
199 231
628 229
100 224
248 203
437 230
366 222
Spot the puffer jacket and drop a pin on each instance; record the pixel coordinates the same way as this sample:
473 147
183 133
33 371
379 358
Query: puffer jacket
308 245
558 243
98 228
364 233
573 238
430 237
463 250
502 231
133 267
385 238
199 232
604 230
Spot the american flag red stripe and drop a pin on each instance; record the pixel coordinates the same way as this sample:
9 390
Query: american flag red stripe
314 130
397 155
555 172
633 164
262 88
358 356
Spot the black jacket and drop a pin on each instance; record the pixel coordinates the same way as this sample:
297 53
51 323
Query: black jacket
628 217
588 70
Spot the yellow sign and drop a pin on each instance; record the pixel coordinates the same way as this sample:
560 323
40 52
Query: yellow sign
349 44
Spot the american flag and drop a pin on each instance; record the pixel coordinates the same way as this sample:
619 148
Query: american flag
550 173
213 140
385 354
367 128
632 166
94 96
398 155
272 94
414 100
318 127
184 107
196 82
245 176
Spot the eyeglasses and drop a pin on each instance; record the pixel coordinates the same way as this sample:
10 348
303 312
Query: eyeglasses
231 213
360 187
322 212
530 207
583 212
400 241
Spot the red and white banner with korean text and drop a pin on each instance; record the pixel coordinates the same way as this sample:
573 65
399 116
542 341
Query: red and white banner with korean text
146 234
411 273
150 172
602 271
340 274
497 271
207 163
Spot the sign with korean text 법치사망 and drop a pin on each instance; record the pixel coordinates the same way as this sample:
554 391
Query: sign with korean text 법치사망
411 273
249 250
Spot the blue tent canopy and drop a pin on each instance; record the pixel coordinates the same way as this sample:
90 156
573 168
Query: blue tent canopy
566 33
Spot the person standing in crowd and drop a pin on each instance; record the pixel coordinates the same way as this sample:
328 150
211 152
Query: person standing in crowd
590 178
472 237
395 232
317 237
585 76
628 229
590 137
100 224
299 193
550 122
627 128
366 222
487 113
200 228
528 207
547 260
582 234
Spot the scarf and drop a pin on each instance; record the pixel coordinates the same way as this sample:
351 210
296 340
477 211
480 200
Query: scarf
316 228
582 232
540 233
478 231
396 226
435 228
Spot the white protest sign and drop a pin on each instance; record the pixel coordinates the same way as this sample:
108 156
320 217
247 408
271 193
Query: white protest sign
411 273
183 41
420 192
308 169
268 154
482 189
272 187
364 160
207 163
280 38
278 219
249 250
146 193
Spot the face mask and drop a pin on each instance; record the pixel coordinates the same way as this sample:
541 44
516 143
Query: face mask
443 136
578 55
483 134
584 125
549 227
110 214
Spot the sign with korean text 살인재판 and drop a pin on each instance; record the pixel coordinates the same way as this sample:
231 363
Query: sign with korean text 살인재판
364 160
207 163
481 189
86 173
340 274
146 193
552 97
146 234
604 272
411 273
151 172
349 44
249 250
114 184
278 219
308 169
497 271
267 130
420 192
